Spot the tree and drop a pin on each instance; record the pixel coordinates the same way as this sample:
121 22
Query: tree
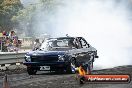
24 18
27 16
8 8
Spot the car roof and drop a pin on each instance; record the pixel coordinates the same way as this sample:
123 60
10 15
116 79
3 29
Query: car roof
65 38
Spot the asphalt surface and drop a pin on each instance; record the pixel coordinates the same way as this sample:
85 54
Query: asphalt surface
20 79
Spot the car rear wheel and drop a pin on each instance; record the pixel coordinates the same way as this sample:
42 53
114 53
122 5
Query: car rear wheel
89 68
31 71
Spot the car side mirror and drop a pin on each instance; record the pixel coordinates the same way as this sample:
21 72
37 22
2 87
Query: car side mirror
96 56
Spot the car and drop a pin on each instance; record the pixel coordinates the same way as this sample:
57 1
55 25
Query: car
62 54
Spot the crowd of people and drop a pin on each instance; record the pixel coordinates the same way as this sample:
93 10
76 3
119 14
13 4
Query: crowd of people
9 41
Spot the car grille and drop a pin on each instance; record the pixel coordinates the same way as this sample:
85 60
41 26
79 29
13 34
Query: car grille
44 58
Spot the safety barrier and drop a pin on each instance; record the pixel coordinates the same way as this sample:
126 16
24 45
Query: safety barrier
11 58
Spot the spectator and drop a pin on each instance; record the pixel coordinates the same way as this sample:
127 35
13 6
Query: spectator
12 35
15 43
19 43
4 33
36 45
8 44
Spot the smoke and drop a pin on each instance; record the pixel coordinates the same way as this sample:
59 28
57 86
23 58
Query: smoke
105 24
28 2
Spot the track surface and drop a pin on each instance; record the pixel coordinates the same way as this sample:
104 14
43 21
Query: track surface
54 80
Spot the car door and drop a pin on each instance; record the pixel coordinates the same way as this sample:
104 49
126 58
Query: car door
84 56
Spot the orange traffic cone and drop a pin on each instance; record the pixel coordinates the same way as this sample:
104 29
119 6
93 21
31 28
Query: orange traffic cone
5 82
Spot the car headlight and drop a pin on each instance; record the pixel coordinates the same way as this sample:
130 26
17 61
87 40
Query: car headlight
61 58
28 58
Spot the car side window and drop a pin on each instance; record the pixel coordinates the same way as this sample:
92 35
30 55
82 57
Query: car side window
83 43
77 43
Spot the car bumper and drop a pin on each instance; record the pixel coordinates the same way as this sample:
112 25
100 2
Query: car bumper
53 66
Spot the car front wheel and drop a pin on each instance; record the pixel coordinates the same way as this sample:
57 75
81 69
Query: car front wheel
31 71
71 66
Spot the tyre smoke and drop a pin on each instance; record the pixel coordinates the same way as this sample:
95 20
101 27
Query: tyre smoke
105 24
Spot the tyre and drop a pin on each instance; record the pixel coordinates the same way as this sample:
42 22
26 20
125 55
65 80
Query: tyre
71 66
81 80
60 71
31 71
89 68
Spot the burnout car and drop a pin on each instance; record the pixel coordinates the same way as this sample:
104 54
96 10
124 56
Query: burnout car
62 54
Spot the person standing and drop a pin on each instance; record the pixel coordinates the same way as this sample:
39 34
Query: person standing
36 45
8 44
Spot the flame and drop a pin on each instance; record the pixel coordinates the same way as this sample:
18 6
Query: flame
81 71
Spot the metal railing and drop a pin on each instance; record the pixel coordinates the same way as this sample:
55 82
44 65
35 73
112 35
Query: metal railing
12 57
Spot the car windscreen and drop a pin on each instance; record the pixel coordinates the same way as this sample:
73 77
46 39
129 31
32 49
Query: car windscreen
57 43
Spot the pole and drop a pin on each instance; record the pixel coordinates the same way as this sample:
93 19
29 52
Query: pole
5 82
1 45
